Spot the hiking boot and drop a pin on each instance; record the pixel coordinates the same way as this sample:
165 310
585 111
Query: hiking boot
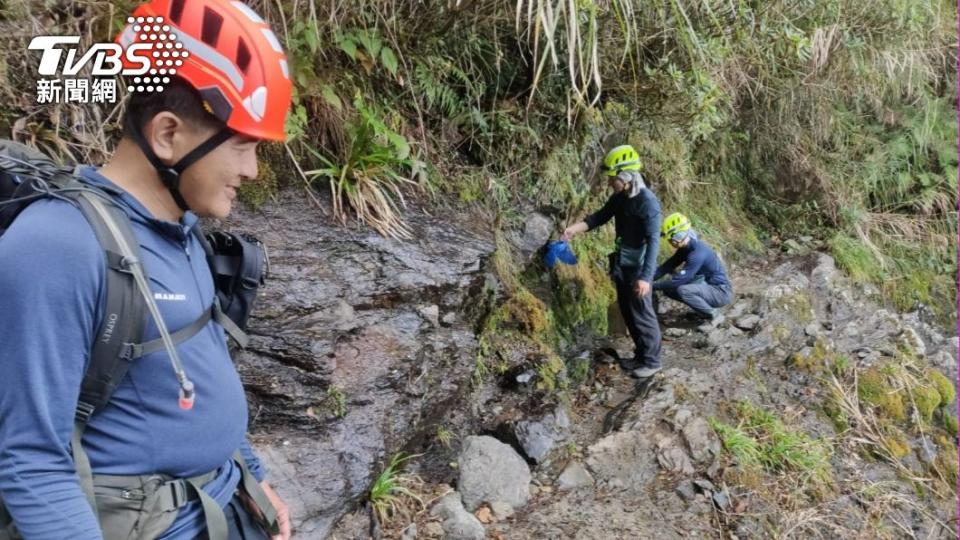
644 372
630 364
710 321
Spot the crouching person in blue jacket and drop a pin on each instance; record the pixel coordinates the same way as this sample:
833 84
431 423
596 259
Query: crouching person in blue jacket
701 281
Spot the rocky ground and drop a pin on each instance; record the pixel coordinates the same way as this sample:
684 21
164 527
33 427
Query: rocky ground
809 412
662 471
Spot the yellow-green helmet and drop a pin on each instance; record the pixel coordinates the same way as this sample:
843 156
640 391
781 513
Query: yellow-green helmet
674 224
621 158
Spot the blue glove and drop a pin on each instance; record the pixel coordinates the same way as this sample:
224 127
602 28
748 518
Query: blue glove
558 249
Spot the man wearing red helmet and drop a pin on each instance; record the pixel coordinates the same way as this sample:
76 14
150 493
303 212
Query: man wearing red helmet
185 152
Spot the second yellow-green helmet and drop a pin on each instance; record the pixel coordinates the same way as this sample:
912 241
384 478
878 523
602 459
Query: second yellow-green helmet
621 158
674 224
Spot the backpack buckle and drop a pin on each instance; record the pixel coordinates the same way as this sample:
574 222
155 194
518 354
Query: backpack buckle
133 494
128 352
84 412
173 495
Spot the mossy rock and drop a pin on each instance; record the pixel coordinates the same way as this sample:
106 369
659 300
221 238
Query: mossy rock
798 305
264 187
944 386
896 443
779 333
836 415
582 296
816 359
950 424
578 369
875 390
553 374
927 399
946 463
528 312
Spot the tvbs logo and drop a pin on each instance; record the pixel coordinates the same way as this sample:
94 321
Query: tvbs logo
149 60
106 57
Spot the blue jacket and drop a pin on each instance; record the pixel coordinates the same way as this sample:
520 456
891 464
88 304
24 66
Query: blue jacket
637 222
698 261
52 277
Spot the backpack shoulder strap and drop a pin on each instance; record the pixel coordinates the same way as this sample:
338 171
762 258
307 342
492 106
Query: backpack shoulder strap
128 297
122 324
232 328
124 313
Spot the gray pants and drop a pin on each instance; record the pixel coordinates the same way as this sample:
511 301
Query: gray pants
701 296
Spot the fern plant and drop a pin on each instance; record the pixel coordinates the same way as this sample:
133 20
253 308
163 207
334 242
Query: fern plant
369 177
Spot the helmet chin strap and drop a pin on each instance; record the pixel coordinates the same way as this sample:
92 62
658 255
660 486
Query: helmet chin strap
170 175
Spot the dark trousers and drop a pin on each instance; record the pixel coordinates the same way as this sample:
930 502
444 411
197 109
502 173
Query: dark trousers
640 318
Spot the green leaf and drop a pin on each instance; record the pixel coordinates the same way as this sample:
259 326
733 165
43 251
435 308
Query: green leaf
349 46
370 43
310 36
389 60
296 122
400 143
904 180
302 79
331 97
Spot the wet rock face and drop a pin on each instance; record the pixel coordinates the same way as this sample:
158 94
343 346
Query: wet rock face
348 354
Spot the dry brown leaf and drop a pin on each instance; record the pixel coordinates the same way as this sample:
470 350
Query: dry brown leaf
484 515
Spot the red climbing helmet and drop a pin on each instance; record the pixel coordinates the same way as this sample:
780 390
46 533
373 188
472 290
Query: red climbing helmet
224 50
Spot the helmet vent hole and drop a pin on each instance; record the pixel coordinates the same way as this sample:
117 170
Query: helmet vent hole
176 10
212 22
243 56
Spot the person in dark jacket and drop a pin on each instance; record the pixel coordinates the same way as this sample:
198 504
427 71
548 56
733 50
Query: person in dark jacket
701 282
636 214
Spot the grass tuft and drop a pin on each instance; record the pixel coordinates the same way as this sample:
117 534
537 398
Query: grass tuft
393 493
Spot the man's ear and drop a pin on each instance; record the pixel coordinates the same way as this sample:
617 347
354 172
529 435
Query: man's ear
160 133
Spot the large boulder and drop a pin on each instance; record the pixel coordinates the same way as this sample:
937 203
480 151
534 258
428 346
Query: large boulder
491 471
